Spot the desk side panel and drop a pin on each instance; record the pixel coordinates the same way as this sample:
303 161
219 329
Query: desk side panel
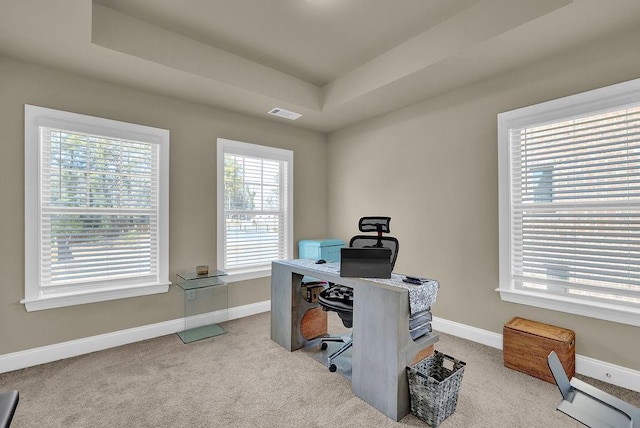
378 364
284 310
383 348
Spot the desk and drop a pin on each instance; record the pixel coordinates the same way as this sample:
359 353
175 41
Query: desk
382 347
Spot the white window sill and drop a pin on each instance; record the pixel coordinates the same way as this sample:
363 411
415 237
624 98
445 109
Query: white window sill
604 311
71 299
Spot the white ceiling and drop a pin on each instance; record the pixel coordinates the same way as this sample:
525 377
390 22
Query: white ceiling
336 62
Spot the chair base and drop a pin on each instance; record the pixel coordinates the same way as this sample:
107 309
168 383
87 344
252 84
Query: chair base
8 404
347 343
589 405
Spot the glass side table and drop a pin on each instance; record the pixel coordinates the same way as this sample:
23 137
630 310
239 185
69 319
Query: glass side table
205 304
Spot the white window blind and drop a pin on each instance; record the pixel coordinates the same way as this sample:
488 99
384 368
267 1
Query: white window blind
99 208
576 206
96 209
255 222
574 201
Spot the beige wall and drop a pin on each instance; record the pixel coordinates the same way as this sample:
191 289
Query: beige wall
194 129
433 168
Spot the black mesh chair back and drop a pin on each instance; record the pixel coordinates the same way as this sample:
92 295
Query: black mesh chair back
380 225
374 224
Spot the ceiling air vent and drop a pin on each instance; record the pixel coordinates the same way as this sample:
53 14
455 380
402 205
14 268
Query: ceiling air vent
284 113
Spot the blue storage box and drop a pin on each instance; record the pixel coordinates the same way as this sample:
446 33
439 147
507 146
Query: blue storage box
316 249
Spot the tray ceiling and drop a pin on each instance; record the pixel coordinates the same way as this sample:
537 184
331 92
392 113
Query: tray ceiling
336 62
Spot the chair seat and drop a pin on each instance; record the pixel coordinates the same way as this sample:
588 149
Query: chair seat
335 305
339 299
338 293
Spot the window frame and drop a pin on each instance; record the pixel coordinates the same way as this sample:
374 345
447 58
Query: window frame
35 298
254 150
594 101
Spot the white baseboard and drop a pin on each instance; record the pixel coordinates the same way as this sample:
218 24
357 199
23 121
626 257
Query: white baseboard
602 370
587 366
250 309
59 351
225 315
468 332
607 372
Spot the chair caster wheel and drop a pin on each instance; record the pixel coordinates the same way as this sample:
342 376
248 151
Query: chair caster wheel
332 368
323 345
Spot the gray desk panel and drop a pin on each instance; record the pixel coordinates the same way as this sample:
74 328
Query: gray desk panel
382 345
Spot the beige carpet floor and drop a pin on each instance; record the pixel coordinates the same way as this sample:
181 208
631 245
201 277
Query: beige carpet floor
243 379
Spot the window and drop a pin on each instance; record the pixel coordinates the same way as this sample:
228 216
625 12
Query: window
569 181
255 208
96 209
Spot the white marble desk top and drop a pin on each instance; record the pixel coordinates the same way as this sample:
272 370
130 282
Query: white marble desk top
421 297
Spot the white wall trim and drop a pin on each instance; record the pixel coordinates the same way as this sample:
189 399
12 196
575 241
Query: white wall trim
601 370
60 301
571 305
59 351
250 309
468 332
587 366
40 292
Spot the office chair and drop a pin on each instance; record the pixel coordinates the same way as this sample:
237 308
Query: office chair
590 405
8 404
338 298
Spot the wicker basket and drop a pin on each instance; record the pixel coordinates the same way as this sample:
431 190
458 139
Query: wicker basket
434 388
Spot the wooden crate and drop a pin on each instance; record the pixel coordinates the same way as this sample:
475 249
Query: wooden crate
526 345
